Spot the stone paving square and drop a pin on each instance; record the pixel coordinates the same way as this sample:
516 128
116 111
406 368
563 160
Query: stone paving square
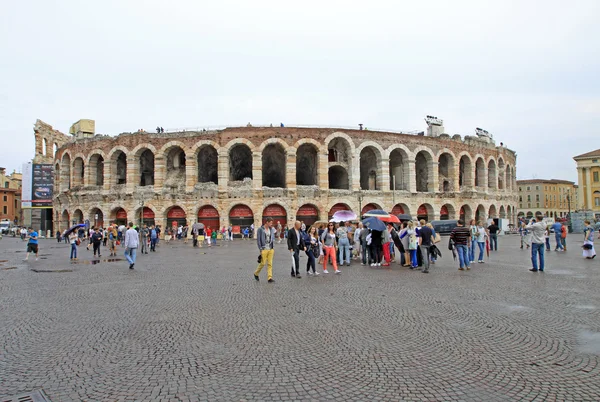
193 325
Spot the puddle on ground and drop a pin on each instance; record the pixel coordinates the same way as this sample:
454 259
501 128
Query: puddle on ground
589 342
94 262
51 270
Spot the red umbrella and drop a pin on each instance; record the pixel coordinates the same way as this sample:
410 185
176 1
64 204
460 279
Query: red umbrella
390 219
487 247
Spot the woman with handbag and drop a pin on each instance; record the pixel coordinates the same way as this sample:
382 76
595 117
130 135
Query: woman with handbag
329 247
312 250
588 241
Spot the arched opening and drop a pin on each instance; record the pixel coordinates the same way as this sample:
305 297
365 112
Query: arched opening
308 214
425 211
118 163
465 173
44 146
529 215
209 216
307 163
399 177
502 213
370 163
480 213
119 216
97 218
338 178
240 217
447 212
65 171
338 207
97 170
147 168
175 174
400 209
277 212
273 166
501 173
466 214
369 207
78 172
423 171
65 222
492 213
77 217
340 156
446 172
240 163
521 215
492 177
145 216
176 216
54 150
208 160
479 173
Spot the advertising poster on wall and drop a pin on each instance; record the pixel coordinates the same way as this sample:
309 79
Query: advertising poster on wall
42 186
26 183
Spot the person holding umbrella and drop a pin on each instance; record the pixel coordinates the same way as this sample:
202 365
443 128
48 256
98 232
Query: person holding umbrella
73 240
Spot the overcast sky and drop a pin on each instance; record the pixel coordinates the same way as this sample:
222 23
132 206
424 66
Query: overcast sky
527 71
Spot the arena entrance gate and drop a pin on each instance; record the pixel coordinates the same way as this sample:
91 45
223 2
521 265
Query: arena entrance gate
240 217
308 214
209 216
277 212
148 217
176 217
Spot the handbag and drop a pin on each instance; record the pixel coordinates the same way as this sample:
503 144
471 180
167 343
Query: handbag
587 246
450 244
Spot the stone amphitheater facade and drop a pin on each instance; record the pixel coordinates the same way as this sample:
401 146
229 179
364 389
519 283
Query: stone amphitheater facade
241 175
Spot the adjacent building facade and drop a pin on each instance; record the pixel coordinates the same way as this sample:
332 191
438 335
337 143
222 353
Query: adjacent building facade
551 198
10 201
588 174
242 175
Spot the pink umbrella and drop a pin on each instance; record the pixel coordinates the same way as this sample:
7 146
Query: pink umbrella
343 216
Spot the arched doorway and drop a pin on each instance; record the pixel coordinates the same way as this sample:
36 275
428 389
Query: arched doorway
492 213
308 214
240 162
96 218
147 216
447 212
274 166
466 214
209 216
529 215
400 209
240 217
369 207
425 211
64 221
176 217
307 164
120 216
423 162
370 163
338 207
146 167
77 217
480 213
207 161
277 212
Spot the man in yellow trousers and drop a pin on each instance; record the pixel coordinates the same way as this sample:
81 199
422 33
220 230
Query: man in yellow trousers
265 237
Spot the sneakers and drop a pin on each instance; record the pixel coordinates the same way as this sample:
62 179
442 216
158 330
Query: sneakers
533 270
325 271
316 273
461 269
131 266
271 280
378 264
468 268
256 278
309 273
337 271
481 261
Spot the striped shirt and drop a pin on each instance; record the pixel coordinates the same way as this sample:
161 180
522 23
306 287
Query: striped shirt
460 235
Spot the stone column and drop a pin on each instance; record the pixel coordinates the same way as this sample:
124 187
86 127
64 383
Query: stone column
160 171
108 168
580 189
384 177
484 180
256 171
434 179
588 188
290 169
323 170
133 172
456 178
354 173
412 176
191 173
223 170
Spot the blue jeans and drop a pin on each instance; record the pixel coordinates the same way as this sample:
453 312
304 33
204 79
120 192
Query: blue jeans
537 248
481 248
344 246
413 259
547 243
130 255
463 255
472 250
494 242
73 250
557 237
153 244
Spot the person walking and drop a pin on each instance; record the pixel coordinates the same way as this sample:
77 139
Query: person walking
144 232
411 234
364 249
404 240
473 228
386 239
481 236
213 236
73 240
131 244
153 238
537 229
96 240
311 240
112 238
493 231
58 237
343 244
32 244
557 227
265 237
461 237
295 242
588 241
547 237
329 245
425 243
563 236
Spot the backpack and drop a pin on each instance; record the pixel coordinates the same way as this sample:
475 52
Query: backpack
153 234
111 236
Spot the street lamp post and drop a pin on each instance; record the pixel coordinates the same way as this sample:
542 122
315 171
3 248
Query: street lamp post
569 216
359 203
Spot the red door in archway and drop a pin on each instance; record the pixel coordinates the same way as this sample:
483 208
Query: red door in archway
209 216
308 214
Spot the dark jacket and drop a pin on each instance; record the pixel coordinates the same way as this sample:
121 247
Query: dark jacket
292 240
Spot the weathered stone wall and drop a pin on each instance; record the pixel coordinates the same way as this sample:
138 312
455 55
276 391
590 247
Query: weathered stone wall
194 169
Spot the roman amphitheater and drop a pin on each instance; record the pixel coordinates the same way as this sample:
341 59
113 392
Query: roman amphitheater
242 175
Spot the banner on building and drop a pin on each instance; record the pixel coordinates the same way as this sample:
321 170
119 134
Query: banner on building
42 187
26 185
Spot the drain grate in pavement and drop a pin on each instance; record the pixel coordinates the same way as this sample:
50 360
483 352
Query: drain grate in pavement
50 270
35 396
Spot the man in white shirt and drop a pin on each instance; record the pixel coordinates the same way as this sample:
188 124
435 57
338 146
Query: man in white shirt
538 240
131 244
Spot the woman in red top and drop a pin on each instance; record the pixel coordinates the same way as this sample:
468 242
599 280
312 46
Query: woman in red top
208 234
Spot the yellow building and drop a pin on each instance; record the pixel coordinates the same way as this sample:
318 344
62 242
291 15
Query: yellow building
588 173
552 198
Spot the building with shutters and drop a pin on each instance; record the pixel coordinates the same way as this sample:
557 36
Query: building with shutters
588 174
239 176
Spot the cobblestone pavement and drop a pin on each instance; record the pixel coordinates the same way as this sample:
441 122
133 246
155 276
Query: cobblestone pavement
194 325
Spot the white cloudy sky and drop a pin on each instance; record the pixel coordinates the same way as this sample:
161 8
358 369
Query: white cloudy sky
527 71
